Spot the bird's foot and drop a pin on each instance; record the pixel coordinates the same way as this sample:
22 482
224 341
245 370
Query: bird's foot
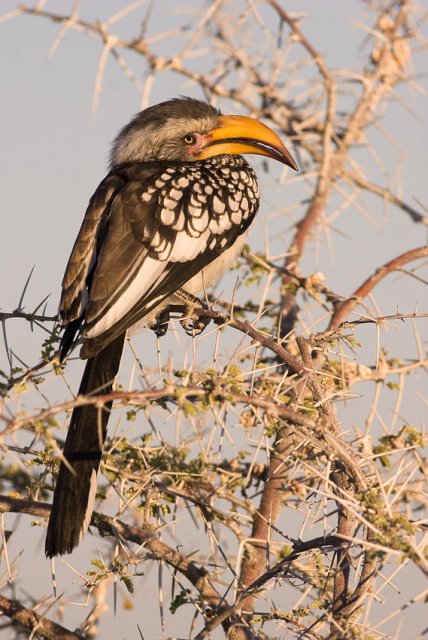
190 299
193 324
160 325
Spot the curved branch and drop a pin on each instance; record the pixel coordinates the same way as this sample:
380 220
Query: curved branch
343 309
385 193
145 536
22 505
34 622
170 393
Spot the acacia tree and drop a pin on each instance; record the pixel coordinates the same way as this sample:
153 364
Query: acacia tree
268 438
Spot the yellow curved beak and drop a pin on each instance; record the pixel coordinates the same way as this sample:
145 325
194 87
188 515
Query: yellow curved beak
241 134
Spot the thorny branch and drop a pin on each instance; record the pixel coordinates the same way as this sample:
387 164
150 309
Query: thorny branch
344 308
35 623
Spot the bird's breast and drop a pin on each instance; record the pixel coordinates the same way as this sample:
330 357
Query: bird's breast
201 203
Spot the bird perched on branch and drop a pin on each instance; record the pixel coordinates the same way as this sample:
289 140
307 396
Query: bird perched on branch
165 223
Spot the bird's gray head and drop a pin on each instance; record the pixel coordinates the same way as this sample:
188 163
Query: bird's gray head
186 130
172 130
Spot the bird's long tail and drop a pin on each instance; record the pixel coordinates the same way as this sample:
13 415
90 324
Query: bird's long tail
77 478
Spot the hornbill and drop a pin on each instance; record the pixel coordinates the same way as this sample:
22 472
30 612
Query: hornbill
166 222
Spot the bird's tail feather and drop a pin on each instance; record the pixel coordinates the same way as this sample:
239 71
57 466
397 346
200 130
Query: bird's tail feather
76 483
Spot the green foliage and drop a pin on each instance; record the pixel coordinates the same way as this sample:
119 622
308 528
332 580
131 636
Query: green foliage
407 437
179 600
51 344
127 581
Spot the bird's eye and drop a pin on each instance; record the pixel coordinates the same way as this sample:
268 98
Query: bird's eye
189 139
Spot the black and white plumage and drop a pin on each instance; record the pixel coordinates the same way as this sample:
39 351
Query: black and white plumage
174 221
171 215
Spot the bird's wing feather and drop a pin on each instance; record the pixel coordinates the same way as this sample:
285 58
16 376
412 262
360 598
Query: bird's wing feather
163 230
79 264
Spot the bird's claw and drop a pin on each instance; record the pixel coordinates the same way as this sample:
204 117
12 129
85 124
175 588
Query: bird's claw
190 300
160 325
194 325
